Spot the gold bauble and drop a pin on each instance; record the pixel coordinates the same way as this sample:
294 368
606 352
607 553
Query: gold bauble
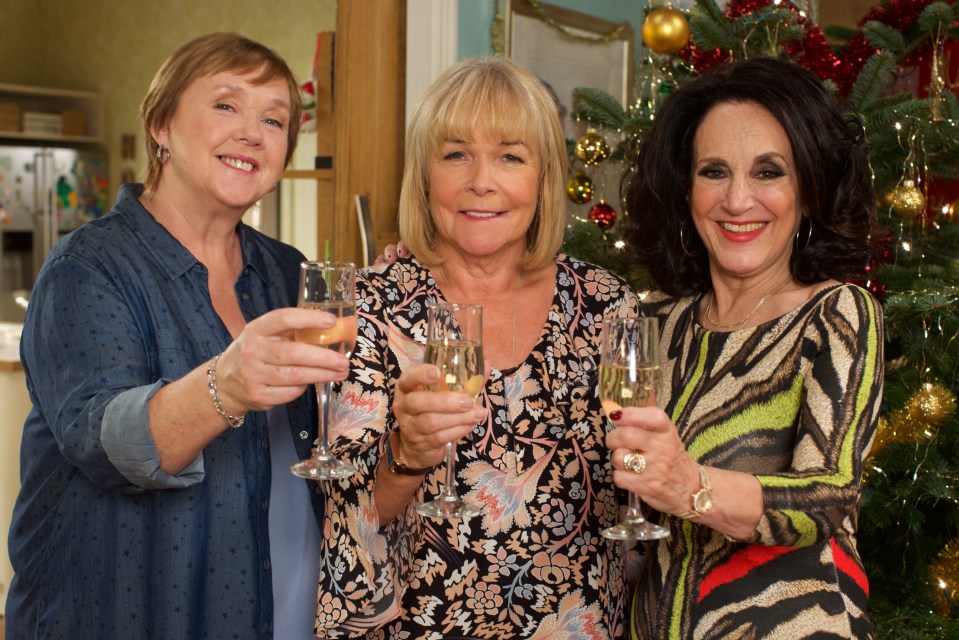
665 30
592 148
908 200
579 189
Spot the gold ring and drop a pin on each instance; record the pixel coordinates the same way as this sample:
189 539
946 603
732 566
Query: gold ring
634 461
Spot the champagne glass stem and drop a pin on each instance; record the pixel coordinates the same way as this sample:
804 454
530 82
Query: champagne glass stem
634 509
323 391
449 488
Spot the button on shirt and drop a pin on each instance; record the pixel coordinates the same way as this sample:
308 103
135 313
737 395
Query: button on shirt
104 544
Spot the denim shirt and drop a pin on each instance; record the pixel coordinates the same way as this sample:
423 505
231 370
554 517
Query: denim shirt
105 544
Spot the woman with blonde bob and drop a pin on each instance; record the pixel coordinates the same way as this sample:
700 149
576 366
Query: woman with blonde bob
482 209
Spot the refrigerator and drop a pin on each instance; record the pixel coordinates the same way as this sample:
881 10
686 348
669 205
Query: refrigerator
45 193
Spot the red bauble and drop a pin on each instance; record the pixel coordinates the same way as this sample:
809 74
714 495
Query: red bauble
603 215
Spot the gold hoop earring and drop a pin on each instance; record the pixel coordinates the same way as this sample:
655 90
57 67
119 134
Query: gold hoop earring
682 239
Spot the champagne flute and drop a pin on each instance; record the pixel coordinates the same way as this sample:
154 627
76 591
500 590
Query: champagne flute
454 343
327 286
630 375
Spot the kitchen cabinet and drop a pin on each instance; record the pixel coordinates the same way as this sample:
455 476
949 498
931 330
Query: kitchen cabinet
80 112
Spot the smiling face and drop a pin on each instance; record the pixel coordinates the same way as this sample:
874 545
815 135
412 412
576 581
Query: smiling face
745 192
227 140
482 196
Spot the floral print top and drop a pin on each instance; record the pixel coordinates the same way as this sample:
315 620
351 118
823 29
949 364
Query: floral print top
533 564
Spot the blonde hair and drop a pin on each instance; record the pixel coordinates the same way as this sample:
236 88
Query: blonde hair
511 104
205 56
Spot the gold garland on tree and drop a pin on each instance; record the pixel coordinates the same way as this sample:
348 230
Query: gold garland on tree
944 572
931 405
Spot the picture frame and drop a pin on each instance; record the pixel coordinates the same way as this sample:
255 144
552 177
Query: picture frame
567 49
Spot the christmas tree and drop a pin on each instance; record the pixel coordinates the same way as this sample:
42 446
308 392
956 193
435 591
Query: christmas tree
893 73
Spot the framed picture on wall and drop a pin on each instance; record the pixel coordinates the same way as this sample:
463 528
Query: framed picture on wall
568 49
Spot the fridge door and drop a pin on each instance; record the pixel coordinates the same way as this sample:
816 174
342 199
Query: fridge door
45 193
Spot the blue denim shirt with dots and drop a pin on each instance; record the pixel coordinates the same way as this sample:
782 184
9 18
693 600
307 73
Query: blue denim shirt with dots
104 543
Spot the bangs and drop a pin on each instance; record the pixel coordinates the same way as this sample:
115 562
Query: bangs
495 107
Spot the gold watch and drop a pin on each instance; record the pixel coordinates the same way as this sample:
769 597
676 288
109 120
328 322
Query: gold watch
702 500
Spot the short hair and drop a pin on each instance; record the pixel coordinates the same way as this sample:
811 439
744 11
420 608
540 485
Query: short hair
513 104
832 166
205 56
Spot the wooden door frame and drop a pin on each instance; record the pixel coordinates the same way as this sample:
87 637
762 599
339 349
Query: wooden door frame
369 88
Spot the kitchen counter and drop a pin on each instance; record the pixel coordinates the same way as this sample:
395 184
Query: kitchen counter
15 403
10 346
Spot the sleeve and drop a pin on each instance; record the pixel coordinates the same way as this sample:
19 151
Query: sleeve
364 568
89 375
842 382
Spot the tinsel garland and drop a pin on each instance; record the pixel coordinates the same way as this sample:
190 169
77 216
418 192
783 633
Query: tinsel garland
931 405
814 53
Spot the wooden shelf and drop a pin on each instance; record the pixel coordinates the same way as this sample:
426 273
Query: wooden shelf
56 101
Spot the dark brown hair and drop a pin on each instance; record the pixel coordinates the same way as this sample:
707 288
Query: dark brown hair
831 162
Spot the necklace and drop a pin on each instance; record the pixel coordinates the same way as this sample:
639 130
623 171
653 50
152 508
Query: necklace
522 280
739 325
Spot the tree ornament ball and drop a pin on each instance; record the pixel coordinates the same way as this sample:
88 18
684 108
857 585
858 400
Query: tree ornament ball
665 30
603 215
592 148
579 189
908 200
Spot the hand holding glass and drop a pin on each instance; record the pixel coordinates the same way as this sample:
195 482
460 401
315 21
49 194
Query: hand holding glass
327 286
630 375
454 343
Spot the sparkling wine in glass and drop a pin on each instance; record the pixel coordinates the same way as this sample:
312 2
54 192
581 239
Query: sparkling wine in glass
630 375
327 286
454 343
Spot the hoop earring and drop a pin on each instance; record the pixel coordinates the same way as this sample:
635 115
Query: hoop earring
682 239
808 237
161 150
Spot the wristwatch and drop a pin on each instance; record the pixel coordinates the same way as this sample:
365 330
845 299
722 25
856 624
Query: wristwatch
702 500
396 463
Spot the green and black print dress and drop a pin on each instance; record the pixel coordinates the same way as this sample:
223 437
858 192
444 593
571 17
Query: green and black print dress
795 402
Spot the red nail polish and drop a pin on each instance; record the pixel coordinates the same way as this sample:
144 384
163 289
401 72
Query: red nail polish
615 415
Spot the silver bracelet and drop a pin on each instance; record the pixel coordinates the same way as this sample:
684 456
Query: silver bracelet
233 421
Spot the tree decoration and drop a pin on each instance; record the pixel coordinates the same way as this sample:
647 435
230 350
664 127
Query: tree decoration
932 405
592 148
944 572
603 215
665 30
579 189
908 200
948 212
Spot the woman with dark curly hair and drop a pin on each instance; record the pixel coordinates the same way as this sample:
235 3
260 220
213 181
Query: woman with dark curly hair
751 205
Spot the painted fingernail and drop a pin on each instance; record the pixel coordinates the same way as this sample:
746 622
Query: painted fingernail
615 415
